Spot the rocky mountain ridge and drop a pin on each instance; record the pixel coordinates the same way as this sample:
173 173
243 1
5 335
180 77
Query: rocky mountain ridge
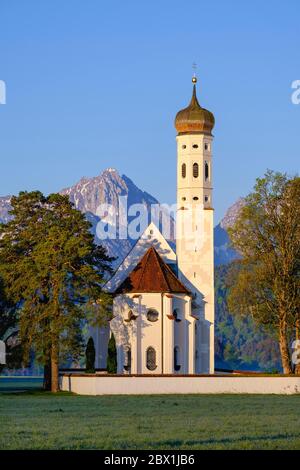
89 193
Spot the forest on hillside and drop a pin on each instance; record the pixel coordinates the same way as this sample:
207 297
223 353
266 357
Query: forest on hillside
239 342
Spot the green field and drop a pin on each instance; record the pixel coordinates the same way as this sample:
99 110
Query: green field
37 420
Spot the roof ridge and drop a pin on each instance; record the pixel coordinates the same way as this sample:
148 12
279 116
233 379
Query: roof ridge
146 255
161 264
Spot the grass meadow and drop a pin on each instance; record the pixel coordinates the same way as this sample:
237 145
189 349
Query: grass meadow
32 419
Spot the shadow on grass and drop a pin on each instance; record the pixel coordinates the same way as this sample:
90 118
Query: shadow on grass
172 443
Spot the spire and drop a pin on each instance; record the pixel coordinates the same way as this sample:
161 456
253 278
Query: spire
194 101
194 118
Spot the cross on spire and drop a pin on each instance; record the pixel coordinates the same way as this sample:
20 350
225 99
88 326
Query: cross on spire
194 66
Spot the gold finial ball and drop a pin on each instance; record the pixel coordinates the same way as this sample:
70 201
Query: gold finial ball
194 79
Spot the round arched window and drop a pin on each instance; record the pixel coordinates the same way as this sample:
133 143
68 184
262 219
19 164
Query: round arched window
195 170
152 315
151 358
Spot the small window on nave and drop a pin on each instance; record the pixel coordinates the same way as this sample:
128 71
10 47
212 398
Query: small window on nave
127 363
151 358
177 364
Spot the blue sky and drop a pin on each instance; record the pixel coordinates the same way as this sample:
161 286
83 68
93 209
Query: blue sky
95 84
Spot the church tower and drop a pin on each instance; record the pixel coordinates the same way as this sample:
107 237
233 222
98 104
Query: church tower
194 240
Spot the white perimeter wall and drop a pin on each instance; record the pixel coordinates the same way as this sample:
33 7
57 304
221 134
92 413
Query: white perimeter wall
124 385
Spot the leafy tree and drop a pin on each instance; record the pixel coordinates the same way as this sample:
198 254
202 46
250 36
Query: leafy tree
265 282
53 270
112 356
90 355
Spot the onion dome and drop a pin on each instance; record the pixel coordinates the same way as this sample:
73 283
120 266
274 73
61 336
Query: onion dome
194 118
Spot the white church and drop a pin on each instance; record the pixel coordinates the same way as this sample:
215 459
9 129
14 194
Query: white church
163 302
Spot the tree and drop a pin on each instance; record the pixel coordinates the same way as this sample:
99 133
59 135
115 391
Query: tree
90 355
265 281
53 270
112 356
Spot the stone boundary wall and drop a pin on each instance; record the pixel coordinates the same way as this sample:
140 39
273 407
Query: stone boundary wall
90 384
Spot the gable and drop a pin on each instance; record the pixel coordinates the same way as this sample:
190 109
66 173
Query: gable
151 237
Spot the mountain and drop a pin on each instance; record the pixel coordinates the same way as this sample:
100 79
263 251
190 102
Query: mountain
90 193
4 208
224 253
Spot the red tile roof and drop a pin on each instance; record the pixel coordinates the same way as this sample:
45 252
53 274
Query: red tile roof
151 274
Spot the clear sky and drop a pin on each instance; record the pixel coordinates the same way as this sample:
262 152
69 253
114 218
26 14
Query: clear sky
94 84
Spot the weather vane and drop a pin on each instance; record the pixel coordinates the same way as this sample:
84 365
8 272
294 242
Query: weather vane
194 79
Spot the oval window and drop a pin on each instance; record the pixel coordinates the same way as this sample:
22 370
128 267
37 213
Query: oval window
152 315
195 146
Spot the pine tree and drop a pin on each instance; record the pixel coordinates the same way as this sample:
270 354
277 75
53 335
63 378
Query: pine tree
54 272
112 356
90 355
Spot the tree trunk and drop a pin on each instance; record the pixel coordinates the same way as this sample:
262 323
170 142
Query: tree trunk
47 376
297 366
54 368
284 349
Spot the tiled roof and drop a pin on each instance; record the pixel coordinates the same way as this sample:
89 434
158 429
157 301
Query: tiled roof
151 274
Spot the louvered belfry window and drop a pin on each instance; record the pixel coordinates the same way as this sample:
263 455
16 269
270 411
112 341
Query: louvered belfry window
183 170
195 170
151 358
206 171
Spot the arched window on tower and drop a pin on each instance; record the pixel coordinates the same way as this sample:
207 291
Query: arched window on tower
151 358
183 170
206 171
177 364
195 170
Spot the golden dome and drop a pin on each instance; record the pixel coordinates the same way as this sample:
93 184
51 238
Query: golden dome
194 119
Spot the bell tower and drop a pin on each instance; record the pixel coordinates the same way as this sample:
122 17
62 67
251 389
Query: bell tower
194 237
